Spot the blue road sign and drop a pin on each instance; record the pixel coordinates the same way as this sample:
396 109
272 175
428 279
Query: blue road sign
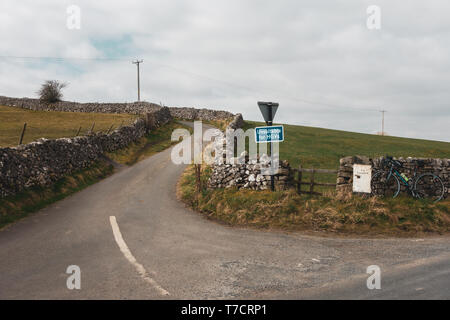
269 134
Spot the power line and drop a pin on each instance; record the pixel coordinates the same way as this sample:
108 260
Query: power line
227 83
64 58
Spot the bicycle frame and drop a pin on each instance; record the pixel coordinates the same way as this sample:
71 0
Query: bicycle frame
405 182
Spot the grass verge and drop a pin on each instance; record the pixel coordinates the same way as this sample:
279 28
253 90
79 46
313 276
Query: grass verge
156 141
286 210
31 200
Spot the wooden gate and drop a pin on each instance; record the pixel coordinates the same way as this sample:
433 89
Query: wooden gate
311 183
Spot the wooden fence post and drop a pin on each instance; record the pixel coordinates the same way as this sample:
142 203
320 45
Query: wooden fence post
311 188
198 182
299 181
92 128
23 133
197 178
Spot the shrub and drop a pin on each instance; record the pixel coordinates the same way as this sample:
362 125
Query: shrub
50 91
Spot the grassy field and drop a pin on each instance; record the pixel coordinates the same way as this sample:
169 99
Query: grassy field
328 214
322 148
51 125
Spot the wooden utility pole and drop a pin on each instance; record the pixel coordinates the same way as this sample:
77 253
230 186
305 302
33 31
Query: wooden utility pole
382 122
137 63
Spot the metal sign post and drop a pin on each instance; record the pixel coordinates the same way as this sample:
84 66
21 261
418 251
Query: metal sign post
268 110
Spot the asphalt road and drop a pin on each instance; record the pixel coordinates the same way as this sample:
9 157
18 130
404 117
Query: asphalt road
132 239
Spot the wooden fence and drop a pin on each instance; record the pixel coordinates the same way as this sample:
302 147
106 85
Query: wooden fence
78 132
311 183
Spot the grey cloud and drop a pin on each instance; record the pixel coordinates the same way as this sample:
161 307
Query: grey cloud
229 54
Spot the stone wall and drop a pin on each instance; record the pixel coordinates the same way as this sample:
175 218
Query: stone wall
236 123
248 175
244 173
199 114
45 161
68 106
158 118
439 167
131 108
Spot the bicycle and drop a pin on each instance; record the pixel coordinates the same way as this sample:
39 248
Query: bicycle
386 182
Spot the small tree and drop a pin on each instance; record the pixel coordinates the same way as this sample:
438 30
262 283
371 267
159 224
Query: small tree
50 91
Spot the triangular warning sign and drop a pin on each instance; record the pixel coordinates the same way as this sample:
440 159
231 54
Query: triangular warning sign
266 108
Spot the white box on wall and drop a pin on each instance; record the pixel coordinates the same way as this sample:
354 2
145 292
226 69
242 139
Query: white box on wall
362 174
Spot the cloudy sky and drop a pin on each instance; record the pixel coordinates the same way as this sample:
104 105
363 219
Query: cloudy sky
316 58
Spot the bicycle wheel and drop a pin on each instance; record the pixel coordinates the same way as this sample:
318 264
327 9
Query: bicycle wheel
383 187
429 186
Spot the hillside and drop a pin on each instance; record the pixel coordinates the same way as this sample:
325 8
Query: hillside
322 148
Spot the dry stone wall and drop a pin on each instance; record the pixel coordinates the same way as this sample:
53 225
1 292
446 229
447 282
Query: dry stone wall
248 175
68 106
237 122
131 108
243 173
158 118
199 114
439 167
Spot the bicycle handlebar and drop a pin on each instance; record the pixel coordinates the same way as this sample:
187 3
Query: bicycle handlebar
389 160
